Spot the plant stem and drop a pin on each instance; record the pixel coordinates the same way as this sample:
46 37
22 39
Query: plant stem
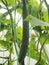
25 40
41 52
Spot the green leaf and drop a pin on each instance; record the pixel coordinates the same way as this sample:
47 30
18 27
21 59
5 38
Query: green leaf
3 27
5 21
32 50
4 44
19 33
33 8
8 36
45 15
35 22
43 37
19 10
10 2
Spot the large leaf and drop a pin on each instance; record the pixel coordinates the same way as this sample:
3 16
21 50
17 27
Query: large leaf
35 22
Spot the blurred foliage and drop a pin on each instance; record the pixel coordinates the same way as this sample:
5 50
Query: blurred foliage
37 18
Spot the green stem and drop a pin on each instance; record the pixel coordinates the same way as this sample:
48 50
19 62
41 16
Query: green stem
25 40
41 52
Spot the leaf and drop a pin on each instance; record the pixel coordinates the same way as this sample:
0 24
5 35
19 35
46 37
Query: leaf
19 33
3 27
45 15
19 10
8 36
10 2
4 44
43 37
32 50
5 21
35 22
38 29
33 8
